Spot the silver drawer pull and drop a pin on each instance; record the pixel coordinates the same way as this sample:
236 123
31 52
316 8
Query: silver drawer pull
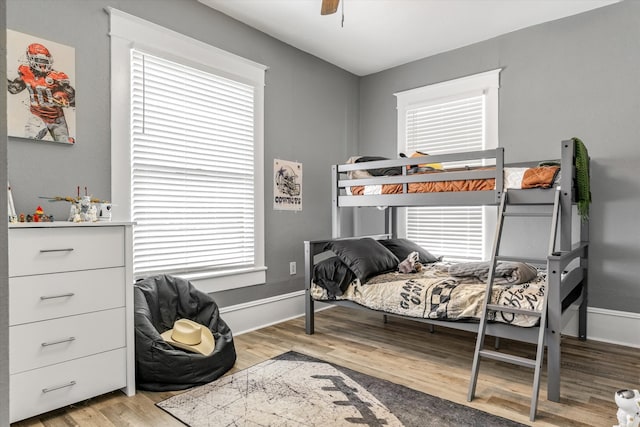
69 384
43 251
47 344
45 297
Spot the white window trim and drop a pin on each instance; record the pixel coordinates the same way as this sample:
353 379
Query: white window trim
128 31
488 83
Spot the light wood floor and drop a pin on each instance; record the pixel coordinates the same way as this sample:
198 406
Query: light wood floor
406 353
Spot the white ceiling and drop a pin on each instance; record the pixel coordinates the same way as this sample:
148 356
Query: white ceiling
380 34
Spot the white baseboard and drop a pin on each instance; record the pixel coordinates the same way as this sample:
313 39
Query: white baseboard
615 327
611 326
247 317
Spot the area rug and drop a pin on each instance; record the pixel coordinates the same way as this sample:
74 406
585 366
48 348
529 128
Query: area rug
297 390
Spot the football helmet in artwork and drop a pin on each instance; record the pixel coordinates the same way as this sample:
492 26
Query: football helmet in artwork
39 58
286 180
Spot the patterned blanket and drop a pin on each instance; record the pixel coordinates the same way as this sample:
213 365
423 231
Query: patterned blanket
435 294
517 178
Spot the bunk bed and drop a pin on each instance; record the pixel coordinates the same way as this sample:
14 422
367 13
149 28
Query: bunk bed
563 272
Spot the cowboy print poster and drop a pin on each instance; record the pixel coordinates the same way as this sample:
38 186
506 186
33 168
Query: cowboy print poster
287 185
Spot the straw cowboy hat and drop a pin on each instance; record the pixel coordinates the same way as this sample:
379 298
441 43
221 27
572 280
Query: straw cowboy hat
191 336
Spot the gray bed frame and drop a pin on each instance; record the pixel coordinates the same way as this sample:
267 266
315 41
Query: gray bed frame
566 268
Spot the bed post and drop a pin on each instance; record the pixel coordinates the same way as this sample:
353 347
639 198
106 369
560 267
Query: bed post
554 326
566 240
394 222
554 271
499 174
566 195
584 264
388 220
582 310
308 301
335 210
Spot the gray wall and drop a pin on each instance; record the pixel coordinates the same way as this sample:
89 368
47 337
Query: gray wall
311 116
578 76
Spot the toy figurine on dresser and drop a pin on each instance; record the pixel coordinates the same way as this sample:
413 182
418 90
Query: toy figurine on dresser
83 211
84 208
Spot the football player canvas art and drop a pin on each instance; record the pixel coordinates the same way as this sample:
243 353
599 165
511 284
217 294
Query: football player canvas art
42 96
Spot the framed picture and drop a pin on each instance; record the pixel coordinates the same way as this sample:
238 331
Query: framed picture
287 185
41 99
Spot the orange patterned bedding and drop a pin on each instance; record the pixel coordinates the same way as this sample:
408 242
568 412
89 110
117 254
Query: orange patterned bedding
534 177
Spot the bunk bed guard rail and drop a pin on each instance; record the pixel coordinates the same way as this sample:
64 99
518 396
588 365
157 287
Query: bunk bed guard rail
341 196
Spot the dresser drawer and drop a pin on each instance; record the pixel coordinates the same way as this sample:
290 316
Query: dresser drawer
34 345
41 390
35 298
53 250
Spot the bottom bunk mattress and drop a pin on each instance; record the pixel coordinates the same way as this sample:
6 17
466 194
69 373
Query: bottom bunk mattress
446 291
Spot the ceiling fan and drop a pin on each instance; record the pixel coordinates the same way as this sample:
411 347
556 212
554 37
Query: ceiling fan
329 7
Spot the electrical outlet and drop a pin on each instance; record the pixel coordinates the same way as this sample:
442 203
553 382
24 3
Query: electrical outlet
292 268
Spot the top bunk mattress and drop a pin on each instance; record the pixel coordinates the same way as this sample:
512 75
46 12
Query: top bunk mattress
513 178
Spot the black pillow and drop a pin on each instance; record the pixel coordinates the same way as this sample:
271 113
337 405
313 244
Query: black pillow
333 275
389 171
401 248
365 257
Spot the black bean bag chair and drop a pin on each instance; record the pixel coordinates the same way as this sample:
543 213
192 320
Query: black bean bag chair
159 302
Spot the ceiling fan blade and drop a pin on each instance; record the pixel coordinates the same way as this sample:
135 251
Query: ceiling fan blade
329 7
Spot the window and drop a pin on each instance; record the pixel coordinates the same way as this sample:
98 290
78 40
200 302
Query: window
450 117
187 125
192 169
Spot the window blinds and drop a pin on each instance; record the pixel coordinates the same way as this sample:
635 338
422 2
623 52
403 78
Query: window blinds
451 126
192 169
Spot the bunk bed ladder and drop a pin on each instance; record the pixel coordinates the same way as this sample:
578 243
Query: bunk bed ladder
480 351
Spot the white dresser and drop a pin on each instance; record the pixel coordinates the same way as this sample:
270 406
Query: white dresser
71 333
